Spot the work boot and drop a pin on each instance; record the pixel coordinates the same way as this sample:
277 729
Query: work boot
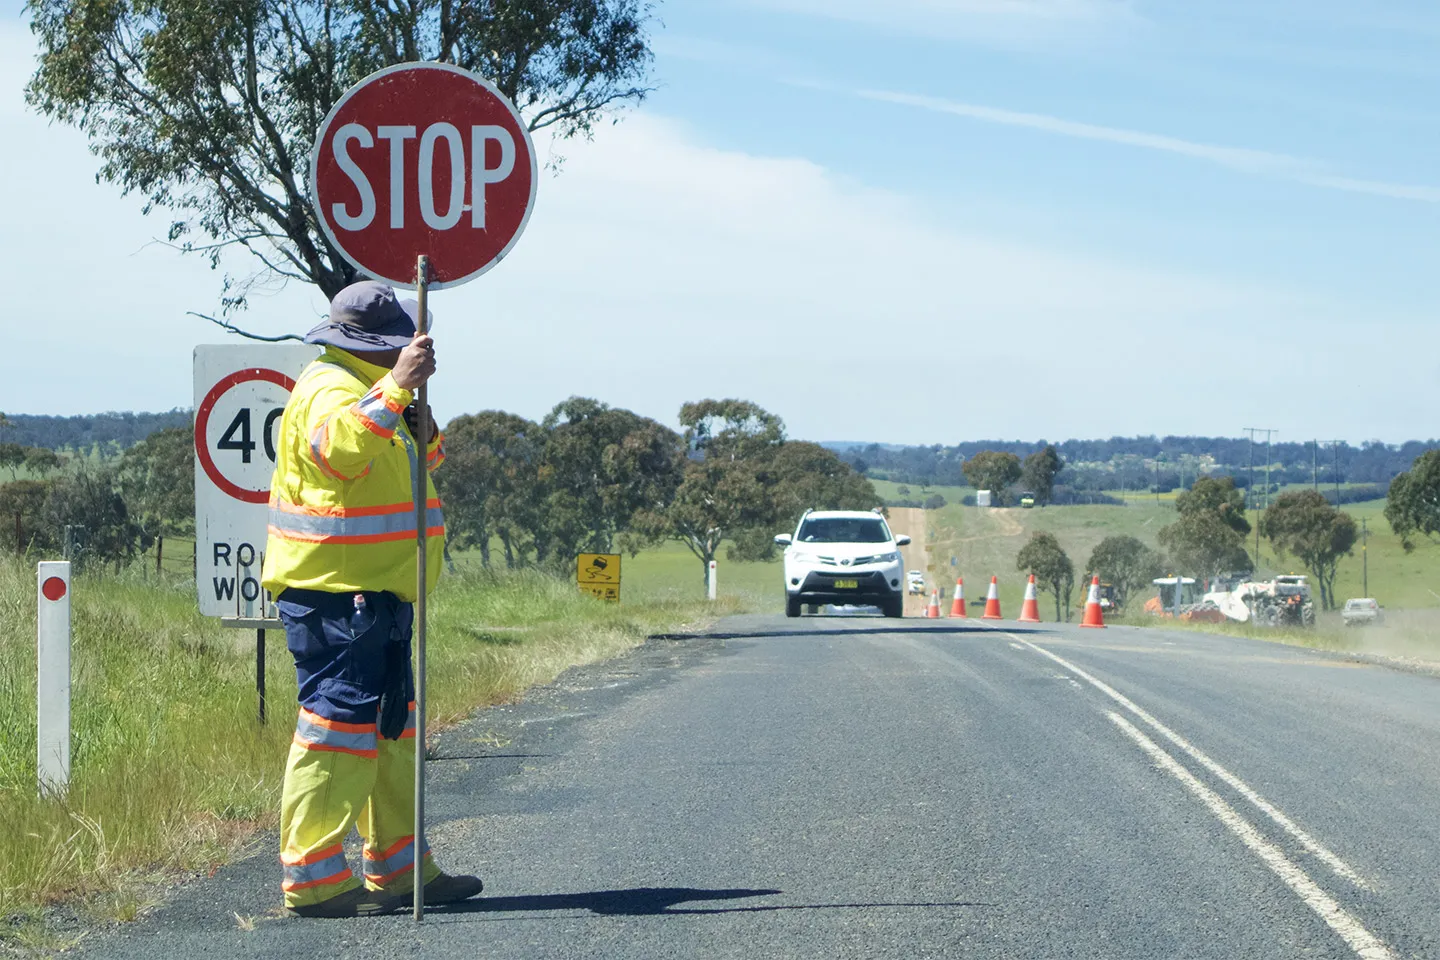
448 889
358 902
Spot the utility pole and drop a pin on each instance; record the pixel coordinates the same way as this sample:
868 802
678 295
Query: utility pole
1267 431
1250 487
1315 465
1365 557
1335 449
1268 460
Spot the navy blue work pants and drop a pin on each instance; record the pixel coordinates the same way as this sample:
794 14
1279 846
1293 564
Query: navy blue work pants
347 648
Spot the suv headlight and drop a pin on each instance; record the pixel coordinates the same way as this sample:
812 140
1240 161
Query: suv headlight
891 557
799 556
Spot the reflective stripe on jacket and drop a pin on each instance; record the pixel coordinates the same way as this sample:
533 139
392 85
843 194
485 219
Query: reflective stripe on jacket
342 510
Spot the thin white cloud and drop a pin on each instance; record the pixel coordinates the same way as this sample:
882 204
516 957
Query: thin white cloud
1398 191
1239 158
1261 162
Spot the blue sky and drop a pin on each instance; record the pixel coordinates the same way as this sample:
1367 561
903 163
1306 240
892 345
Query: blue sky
913 221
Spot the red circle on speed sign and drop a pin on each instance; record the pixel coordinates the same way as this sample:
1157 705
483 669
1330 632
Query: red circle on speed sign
423 158
202 423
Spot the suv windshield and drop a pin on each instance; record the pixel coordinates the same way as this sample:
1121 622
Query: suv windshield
843 530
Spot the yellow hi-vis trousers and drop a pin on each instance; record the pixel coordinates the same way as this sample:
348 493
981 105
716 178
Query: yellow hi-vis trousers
340 775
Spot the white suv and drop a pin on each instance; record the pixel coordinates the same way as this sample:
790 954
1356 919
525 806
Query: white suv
843 556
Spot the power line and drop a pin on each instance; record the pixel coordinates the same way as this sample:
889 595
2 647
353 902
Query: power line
1268 431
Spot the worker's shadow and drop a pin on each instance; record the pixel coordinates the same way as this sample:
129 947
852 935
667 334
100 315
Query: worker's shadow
650 901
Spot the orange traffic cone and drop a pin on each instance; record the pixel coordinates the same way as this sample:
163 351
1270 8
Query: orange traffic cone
957 608
1093 615
1030 609
992 602
933 611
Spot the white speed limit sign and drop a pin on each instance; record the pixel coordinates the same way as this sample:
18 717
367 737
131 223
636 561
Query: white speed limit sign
240 394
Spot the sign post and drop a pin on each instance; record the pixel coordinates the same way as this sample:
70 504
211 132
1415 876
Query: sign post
423 176
420 483
52 676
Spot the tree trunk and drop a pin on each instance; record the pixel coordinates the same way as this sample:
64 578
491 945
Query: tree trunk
485 550
509 552
449 560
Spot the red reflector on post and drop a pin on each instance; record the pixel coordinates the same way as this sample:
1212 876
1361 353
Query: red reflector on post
53 588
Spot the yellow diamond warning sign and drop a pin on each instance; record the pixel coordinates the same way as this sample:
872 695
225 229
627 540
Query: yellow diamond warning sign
599 574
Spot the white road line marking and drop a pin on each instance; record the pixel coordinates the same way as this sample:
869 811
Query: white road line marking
1314 846
1365 944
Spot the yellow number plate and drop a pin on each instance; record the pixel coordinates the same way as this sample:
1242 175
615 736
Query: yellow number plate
846 584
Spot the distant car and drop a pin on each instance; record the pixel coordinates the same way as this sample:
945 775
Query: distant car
915 582
1362 612
1027 499
843 557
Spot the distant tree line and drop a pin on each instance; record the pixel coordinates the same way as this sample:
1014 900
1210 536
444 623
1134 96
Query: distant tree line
113 511
109 431
1129 462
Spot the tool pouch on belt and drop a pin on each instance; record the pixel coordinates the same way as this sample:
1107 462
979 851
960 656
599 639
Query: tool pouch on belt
394 699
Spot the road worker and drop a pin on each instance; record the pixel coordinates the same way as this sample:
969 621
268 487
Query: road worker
341 564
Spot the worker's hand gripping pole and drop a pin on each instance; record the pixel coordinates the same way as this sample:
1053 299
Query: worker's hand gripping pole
421 484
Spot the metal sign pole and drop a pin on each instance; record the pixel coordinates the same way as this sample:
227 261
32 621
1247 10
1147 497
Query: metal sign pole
260 671
420 480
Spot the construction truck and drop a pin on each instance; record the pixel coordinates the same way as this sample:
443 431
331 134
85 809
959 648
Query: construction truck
1188 605
1109 599
1285 601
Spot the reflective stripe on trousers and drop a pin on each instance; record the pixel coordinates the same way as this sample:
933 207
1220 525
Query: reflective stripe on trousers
314 732
315 869
386 865
409 732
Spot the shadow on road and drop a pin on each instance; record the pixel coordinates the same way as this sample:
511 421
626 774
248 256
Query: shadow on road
801 631
654 901
434 758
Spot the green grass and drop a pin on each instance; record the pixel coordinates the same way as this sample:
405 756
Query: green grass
671 573
170 770
890 490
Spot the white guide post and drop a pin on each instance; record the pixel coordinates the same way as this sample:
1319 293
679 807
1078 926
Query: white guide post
52 676
712 580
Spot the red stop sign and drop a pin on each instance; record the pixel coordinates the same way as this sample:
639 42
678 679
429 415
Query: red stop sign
423 158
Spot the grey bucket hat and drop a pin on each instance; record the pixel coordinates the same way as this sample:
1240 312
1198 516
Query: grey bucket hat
366 317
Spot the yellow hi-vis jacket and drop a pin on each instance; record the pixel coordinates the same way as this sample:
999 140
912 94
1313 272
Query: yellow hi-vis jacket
342 510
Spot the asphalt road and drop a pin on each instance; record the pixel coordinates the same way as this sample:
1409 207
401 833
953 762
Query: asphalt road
868 788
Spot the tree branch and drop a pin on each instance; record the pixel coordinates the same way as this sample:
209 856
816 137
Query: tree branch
231 328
